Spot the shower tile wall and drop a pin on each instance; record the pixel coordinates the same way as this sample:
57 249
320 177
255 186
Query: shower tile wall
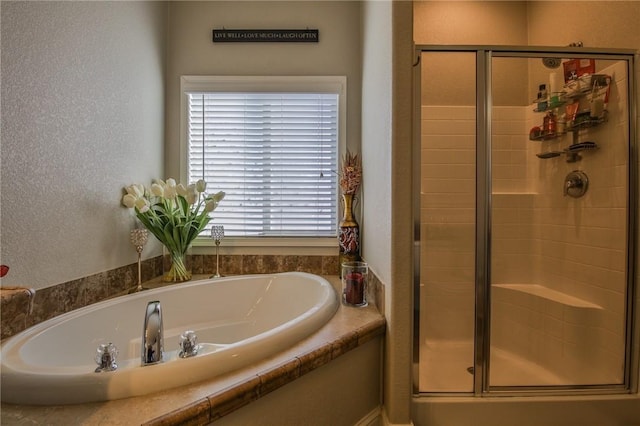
448 213
447 223
582 242
513 250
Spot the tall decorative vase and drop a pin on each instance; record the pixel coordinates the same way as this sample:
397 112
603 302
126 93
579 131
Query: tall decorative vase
176 266
348 234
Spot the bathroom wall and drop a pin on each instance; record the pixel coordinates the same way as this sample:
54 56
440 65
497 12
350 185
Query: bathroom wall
83 113
344 392
470 23
192 52
399 290
594 23
82 116
376 137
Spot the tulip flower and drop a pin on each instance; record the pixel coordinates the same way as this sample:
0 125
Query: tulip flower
218 196
201 185
157 190
129 200
175 214
192 194
181 190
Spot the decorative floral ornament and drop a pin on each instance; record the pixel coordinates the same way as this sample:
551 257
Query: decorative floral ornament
175 214
351 173
348 230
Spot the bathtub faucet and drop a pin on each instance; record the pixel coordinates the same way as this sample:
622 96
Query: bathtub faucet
152 334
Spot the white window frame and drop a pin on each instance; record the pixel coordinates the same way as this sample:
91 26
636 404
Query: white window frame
315 84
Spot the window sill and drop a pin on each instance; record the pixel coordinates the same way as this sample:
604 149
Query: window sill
321 246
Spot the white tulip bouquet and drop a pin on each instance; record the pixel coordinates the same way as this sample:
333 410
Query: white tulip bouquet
175 214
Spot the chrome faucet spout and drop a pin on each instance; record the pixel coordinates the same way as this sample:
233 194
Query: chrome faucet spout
152 334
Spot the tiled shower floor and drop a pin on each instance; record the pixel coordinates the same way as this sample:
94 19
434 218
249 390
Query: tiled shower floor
443 368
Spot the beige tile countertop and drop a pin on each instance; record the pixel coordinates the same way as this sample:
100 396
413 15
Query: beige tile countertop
206 401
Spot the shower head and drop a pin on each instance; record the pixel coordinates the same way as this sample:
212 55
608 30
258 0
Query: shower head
551 62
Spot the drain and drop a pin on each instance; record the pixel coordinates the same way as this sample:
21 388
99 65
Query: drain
470 370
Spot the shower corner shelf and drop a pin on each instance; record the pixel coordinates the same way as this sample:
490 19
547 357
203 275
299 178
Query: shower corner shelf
572 152
548 107
586 87
577 125
587 122
546 136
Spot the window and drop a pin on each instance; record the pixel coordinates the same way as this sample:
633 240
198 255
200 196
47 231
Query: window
271 143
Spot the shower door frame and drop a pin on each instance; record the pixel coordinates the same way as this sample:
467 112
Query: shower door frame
484 55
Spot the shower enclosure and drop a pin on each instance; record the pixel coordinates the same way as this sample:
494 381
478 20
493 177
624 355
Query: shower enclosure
524 221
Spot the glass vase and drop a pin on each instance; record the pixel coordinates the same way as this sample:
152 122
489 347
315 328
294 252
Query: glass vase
176 266
348 233
355 277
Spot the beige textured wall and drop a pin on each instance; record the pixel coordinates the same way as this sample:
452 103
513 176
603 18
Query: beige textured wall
469 23
342 393
192 52
398 356
376 137
82 114
596 23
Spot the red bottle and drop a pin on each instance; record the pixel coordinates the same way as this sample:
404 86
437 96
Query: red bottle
550 124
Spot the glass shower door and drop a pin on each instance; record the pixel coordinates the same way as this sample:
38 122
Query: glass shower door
559 206
447 222
524 221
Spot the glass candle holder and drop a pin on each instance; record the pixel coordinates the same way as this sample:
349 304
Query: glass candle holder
139 238
355 277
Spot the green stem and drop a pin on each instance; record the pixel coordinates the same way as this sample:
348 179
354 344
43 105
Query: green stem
178 271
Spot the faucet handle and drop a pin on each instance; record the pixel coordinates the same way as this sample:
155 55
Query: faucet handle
188 344
106 357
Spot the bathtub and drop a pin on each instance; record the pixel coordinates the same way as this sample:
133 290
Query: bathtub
238 320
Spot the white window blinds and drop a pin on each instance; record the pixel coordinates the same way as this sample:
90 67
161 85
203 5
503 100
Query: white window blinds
275 156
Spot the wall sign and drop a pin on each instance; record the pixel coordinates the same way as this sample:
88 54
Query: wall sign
253 36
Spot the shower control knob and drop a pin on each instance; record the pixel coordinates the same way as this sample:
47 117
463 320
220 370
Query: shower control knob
576 184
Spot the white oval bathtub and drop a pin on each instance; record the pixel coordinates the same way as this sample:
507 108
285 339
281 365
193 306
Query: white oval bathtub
238 320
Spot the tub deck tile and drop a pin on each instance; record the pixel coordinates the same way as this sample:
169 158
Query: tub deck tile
230 399
279 376
370 331
315 358
197 413
344 344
